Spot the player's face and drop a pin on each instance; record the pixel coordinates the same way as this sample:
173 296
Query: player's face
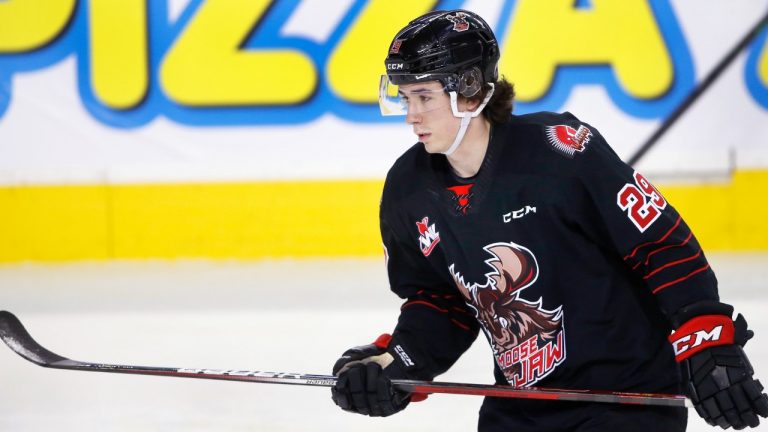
436 127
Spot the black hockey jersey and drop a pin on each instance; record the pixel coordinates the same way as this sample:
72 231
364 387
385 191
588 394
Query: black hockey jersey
568 260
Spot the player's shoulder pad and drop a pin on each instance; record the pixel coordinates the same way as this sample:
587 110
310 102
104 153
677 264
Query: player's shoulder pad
405 172
408 160
562 133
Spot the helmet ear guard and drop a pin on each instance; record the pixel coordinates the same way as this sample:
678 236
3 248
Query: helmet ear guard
470 82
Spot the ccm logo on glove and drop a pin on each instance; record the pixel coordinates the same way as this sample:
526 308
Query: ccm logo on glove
404 356
700 333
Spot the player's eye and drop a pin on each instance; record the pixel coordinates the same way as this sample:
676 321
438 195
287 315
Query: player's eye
424 99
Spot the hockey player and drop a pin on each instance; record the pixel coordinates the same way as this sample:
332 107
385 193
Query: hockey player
577 270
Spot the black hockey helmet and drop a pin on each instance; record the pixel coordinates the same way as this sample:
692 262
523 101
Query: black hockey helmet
456 47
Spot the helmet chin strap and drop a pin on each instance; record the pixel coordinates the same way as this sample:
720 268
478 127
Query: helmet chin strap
465 116
460 134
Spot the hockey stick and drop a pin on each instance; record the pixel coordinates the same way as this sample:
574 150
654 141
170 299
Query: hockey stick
19 340
699 90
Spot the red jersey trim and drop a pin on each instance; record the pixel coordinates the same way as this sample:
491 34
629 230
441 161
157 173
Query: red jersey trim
661 249
460 325
676 281
671 230
673 263
457 323
425 303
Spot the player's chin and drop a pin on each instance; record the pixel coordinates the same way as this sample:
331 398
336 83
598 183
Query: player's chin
432 147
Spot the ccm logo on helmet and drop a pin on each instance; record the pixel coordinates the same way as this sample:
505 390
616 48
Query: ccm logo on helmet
695 339
395 66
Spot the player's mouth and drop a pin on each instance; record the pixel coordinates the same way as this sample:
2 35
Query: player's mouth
423 136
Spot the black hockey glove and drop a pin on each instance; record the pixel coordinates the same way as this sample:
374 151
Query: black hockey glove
716 372
363 385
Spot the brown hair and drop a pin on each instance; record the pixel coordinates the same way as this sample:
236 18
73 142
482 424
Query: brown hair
500 106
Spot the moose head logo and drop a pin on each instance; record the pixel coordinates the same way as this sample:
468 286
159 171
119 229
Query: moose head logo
459 21
567 140
527 340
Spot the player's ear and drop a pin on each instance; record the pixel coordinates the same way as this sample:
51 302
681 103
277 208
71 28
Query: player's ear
472 104
468 104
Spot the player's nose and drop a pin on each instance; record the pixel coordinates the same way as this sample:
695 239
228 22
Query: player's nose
412 118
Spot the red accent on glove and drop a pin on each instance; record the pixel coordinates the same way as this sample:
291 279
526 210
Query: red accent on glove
383 341
700 333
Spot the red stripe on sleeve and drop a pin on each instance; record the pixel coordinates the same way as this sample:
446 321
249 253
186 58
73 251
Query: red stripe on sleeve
673 263
425 303
455 322
461 311
669 284
683 243
634 251
460 325
648 257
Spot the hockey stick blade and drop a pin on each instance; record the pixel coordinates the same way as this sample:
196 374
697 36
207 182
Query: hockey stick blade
13 333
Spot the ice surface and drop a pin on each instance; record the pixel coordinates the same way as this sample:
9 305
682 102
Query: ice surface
288 316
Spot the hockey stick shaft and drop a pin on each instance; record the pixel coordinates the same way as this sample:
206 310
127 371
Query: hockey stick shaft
699 90
20 341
